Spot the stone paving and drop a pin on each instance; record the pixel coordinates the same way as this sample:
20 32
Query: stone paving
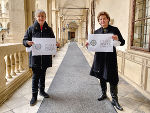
131 100
73 90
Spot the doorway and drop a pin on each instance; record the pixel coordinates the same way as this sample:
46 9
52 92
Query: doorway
71 36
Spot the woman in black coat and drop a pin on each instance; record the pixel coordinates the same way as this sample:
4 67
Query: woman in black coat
105 63
40 63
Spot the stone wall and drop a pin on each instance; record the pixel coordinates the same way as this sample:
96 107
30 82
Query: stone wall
135 68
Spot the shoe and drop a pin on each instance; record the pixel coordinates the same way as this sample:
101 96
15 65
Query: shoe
45 95
117 105
102 97
33 101
114 92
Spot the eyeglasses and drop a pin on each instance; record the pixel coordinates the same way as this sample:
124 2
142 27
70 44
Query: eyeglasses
41 16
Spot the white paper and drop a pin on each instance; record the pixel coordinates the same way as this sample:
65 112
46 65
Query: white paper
100 42
116 43
43 46
28 49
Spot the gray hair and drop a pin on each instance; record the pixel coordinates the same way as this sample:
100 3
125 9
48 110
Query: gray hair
39 11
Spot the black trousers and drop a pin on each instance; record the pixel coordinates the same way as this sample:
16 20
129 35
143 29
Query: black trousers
104 86
38 79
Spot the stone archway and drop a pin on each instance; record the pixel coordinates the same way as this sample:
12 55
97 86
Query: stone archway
72 26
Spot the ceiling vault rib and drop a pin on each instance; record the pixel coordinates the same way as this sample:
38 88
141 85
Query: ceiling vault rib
72 19
73 15
72 8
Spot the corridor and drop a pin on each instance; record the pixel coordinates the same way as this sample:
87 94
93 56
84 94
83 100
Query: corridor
72 90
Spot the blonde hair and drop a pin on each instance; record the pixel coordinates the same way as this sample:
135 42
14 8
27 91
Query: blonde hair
39 11
103 13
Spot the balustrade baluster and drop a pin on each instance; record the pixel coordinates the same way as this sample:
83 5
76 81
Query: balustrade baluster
20 61
17 63
12 65
8 67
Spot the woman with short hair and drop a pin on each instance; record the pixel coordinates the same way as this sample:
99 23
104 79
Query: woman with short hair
40 63
105 63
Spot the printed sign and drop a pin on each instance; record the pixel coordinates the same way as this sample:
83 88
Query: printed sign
43 46
100 42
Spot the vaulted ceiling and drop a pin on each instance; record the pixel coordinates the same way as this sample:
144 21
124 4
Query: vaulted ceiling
72 10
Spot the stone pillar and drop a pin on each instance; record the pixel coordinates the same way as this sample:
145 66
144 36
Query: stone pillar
60 30
66 35
55 19
46 5
49 12
42 4
29 9
3 8
80 32
17 19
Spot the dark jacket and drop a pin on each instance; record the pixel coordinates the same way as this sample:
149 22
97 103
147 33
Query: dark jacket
35 31
105 63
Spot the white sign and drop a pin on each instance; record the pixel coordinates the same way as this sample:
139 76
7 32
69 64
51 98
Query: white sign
100 42
43 46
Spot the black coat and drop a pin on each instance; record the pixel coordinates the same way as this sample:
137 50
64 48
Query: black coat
105 63
35 31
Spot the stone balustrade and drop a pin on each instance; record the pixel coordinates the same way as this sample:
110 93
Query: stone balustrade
14 70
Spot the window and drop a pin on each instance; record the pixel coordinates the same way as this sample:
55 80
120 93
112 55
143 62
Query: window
140 38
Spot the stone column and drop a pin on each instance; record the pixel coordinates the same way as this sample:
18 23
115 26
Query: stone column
49 12
54 19
46 5
60 30
17 19
3 8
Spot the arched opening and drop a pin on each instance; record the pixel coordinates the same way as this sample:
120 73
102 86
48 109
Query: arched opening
72 26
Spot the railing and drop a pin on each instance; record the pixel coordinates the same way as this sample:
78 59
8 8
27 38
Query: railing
14 70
